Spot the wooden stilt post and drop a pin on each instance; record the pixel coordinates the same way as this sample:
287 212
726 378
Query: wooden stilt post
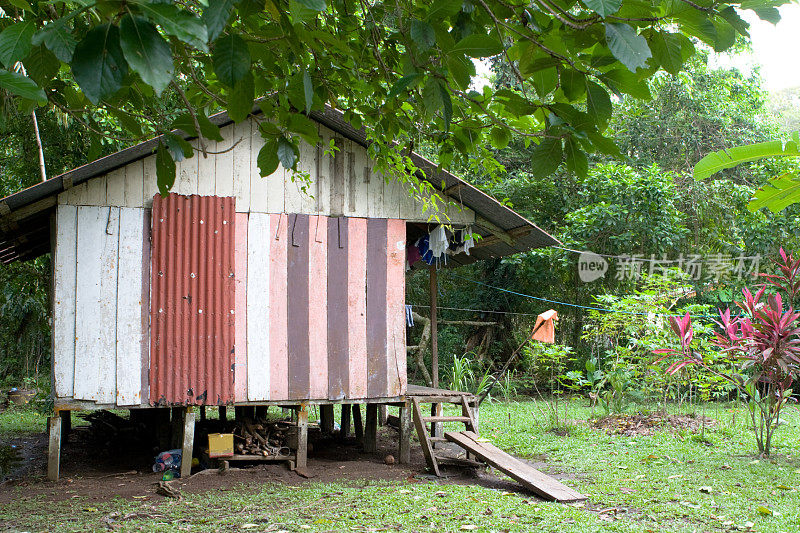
436 408
344 431
54 451
326 418
371 428
188 442
176 427
66 425
358 425
223 413
261 411
302 437
404 452
383 415
202 413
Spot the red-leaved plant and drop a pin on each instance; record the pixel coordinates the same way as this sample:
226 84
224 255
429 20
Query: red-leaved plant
764 341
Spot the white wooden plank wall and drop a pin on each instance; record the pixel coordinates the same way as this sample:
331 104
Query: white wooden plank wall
130 337
232 170
258 360
65 271
100 336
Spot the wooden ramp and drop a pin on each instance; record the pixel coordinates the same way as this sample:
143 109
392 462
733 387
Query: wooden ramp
530 478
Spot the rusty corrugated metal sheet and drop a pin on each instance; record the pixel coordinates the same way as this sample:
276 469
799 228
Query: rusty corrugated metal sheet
192 300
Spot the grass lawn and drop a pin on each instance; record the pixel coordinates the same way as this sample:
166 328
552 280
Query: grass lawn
667 481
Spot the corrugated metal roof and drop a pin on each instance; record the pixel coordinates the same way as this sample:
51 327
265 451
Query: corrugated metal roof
25 226
192 310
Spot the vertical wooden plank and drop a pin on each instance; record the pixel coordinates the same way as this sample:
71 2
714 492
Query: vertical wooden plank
326 418
409 206
338 185
105 320
240 298
241 166
91 229
395 301
258 261
357 306
134 184
344 427
54 449
130 337
376 193
350 183
188 442
259 186
307 187
96 191
302 437
361 182
404 440
297 306
293 200
145 316
358 426
338 311
64 277
376 308
79 193
223 163
391 198
278 320
434 293
150 181
318 306
206 169
186 174
322 185
115 187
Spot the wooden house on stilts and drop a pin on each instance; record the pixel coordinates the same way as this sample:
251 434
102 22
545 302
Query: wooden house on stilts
237 290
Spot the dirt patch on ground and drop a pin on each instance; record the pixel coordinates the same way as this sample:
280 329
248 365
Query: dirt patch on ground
96 473
647 424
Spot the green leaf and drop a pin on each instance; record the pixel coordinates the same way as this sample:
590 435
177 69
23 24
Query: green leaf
724 159
178 147
23 86
603 8
305 127
216 17
146 52
41 65
624 81
57 40
627 46
544 81
240 99
286 153
769 14
98 64
546 157
314 5
231 59
422 34
598 103
777 194
308 90
738 23
15 42
447 106
177 22
499 137
576 159
431 96
478 45
402 84
573 83
441 9
461 70
671 50
208 129
268 158
165 170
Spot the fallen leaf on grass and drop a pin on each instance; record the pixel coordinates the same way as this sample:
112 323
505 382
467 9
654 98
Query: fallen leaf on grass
764 511
248 526
468 527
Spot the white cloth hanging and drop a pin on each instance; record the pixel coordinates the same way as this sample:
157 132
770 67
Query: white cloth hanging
438 241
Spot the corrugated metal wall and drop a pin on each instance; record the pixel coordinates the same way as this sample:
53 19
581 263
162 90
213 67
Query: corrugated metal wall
270 307
192 300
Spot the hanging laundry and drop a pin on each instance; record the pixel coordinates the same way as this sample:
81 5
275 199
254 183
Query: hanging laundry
469 242
545 329
423 246
462 242
409 316
438 241
412 254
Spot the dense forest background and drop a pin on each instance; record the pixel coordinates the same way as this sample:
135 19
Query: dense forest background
641 201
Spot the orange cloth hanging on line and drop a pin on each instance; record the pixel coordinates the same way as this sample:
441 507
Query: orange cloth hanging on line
547 331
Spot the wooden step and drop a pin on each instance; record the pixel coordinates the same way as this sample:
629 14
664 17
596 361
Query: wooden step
437 439
458 461
446 419
530 478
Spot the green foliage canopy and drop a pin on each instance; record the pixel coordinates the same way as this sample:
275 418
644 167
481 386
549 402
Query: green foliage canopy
403 69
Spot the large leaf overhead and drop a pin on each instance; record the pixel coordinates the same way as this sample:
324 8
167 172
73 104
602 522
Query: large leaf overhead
146 51
724 159
98 63
231 59
627 46
15 42
20 85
